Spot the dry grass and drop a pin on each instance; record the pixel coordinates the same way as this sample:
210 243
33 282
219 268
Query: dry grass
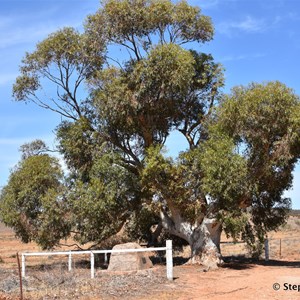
48 278
288 236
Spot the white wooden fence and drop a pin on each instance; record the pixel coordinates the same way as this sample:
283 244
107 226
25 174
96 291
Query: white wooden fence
168 249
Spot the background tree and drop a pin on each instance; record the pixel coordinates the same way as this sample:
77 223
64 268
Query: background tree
31 203
35 147
120 128
266 132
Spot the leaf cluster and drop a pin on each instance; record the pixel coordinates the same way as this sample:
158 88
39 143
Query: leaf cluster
66 58
140 24
100 207
31 202
263 122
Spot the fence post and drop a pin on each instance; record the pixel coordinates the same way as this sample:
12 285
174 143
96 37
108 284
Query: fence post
23 265
105 258
20 277
266 249
169 257
92 265
70 261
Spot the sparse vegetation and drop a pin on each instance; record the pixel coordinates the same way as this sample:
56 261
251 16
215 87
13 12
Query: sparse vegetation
49 279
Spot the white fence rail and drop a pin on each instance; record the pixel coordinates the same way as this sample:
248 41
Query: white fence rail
168 249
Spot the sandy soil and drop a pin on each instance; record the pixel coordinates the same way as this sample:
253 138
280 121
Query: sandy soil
237 279
233 281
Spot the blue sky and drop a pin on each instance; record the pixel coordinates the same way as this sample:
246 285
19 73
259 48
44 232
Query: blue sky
255 40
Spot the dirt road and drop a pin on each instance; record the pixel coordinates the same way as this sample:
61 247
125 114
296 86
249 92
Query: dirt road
239 281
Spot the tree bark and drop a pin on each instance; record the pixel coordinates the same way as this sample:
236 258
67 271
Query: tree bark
203 239
205 244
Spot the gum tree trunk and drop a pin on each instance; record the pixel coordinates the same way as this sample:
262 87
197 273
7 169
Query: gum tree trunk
203 238
205 244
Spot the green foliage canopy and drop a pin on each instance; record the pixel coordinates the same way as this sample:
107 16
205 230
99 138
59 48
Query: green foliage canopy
32 201
242 146
263 120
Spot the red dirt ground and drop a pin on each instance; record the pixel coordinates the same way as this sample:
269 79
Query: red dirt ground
235 280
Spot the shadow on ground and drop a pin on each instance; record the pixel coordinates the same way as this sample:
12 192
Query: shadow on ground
241 262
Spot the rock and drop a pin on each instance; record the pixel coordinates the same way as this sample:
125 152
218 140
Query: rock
132 261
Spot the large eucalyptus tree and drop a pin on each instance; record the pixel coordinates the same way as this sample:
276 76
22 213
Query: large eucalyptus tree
144 77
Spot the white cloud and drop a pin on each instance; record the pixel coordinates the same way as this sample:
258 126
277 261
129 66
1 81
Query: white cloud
287 17
293 16
29 28
26 139
28 34
248 25
241 57
207 4
22 35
